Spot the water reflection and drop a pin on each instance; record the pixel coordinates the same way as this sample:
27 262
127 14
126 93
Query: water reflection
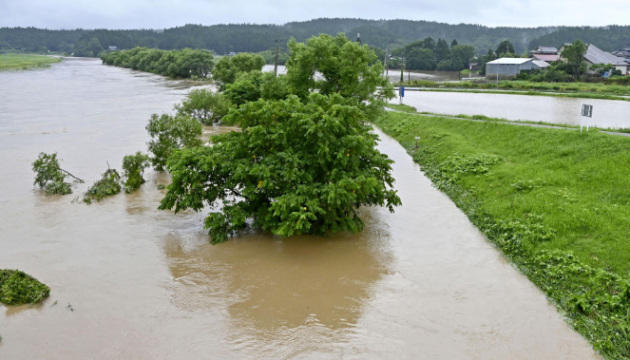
557 110
273 289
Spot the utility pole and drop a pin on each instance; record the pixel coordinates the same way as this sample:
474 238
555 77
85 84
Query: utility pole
275 68
386 57
402 68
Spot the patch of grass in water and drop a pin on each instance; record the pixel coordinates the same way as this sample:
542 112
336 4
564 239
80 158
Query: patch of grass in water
18 288
23 62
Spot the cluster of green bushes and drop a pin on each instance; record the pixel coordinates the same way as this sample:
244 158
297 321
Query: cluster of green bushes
185 64
50 177
554 201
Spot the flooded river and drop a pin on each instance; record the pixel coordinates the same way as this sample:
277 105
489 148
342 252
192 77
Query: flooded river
557 110
131 282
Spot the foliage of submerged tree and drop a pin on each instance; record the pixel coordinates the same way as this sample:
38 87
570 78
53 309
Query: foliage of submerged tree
18 288
133 168
186 63
204 105
169 133
305 161
296 168
108 185
50 176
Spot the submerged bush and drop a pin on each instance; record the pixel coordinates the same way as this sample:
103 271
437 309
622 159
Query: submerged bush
108 185
204 105
168 133
133 167
50 176
18 288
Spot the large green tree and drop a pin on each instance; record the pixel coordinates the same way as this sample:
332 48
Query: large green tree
299 166
505 47
229 67
442 51
574 55
337 65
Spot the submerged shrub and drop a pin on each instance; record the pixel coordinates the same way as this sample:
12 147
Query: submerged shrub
133 167
168 133
18 288
50 176
204 105
108 185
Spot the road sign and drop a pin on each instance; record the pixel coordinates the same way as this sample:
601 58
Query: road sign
587 112
402 91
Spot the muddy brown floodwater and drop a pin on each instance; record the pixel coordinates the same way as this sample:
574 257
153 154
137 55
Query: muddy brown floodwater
145 284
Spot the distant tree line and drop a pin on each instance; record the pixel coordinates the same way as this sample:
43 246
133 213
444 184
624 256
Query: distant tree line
430 55
608 38
32 39
224 39
185 63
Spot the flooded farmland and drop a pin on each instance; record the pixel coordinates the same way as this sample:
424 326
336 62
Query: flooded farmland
606 113
131 282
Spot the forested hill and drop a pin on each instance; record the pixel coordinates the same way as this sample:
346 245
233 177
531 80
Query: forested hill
255 38
607 38
31 39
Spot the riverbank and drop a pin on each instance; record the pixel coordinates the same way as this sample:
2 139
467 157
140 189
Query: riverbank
555 202
412 110
22 62
543 87
579 95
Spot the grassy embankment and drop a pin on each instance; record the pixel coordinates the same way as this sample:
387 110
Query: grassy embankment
574 90
19 61
556 202
413 110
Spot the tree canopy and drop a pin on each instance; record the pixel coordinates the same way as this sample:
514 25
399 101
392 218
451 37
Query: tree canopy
229 67
298 167
305 160
185 63
337 65
574 55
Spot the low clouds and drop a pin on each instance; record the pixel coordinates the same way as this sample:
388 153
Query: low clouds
126 14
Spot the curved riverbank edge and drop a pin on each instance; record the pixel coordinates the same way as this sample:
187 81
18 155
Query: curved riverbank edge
594 300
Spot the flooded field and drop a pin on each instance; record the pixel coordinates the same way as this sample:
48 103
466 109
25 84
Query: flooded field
557 110
145 284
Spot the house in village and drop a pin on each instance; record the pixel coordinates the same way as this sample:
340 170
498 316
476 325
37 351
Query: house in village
112 48
595 55
624 54
510 67
547 54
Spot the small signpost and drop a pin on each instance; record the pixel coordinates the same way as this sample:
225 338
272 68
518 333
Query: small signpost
401 91
587 112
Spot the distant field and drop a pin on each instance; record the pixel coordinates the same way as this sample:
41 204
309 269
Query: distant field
18 61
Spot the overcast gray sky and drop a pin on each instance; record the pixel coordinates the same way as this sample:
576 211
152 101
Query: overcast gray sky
158 14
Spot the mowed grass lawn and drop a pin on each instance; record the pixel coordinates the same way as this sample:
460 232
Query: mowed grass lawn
556 202
18 61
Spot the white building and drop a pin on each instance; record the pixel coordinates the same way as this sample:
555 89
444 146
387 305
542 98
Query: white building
510 67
